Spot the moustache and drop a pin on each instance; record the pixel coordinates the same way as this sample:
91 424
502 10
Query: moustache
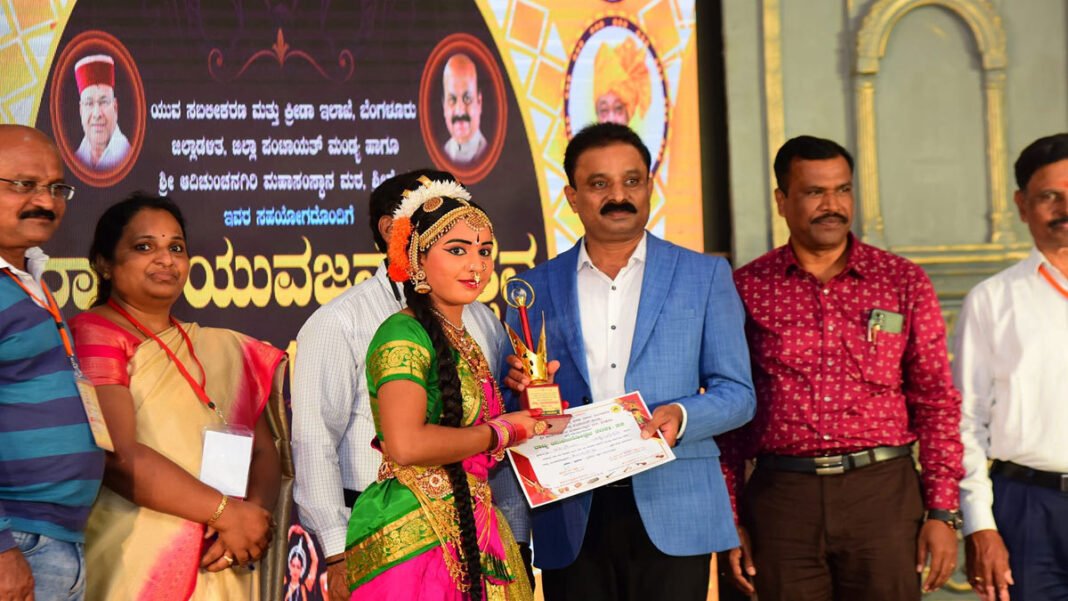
458 118
828 217
1058 222
35 213
619 206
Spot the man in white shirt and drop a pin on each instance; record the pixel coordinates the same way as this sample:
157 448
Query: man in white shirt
1011 344
332 423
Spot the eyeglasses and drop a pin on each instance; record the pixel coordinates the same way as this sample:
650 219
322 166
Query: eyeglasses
28 187
103 103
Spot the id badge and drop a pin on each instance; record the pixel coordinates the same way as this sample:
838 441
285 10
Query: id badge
93 413
226 459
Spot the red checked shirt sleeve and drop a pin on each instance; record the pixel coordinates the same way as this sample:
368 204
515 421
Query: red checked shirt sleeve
824 387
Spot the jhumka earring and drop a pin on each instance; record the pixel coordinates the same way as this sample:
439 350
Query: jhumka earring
419 282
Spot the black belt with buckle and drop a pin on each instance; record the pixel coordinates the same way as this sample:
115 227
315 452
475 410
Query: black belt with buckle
832 464
1020 473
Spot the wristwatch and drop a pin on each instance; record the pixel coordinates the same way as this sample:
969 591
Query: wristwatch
952 517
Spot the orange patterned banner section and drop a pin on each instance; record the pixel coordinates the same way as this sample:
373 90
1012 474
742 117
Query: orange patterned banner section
633 62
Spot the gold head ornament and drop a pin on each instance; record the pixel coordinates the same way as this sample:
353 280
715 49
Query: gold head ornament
405 242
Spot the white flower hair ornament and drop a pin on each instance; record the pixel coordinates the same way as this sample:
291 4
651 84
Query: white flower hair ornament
405 243
413 199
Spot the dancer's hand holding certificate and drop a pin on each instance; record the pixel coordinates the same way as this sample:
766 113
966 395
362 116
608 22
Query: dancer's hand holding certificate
540 393
602 444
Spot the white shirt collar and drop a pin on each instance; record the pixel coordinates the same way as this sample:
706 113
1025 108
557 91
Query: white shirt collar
35 264
1036 259
638 256
382 273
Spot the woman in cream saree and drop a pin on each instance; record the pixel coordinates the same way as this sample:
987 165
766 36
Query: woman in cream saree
156 532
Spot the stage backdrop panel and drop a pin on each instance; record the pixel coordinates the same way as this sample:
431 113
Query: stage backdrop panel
270 123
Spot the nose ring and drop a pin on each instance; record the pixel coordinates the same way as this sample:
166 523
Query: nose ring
476 271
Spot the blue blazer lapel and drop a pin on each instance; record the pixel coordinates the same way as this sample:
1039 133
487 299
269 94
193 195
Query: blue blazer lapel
660 260
563 296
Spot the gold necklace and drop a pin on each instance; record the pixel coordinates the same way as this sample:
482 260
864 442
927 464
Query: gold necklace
445 320
470 352
460 340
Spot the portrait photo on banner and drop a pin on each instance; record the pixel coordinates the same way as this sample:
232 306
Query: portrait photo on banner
464 122
615 75
98 108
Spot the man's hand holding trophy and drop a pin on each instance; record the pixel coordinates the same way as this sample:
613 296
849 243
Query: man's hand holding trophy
531 372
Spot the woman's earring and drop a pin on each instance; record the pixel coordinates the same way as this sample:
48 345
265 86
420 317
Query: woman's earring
419 283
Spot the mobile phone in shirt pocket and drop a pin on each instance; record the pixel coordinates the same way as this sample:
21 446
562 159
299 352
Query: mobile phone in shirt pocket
878 352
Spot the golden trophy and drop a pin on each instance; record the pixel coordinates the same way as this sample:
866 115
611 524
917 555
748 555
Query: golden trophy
540 393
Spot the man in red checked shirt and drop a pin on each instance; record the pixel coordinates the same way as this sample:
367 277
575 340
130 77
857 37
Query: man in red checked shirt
849 363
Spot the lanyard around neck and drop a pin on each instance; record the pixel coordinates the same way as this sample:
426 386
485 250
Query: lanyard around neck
1052 281
51 306
198 387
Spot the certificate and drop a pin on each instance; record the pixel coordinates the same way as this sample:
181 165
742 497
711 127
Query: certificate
602 444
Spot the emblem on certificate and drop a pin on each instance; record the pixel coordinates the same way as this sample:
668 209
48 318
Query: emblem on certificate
540 393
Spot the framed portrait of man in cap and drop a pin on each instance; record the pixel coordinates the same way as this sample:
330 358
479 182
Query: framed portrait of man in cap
103 144
97 108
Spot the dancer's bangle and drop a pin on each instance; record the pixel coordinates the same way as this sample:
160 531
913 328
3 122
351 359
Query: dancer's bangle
500 429
519 434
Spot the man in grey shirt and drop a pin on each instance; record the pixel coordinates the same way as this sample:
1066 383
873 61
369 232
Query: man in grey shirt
332 423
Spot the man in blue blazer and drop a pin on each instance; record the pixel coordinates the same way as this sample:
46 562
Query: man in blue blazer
625 311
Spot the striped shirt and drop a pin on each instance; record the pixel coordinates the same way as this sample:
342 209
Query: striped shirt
50 468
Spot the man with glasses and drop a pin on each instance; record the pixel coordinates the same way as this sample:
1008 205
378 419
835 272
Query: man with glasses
104 146
50 468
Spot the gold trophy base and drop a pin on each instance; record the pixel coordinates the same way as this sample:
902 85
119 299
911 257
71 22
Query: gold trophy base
547 398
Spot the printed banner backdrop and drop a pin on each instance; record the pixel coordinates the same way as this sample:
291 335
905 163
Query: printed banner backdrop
270 122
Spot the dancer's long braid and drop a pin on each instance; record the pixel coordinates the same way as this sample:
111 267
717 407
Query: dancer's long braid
451 416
